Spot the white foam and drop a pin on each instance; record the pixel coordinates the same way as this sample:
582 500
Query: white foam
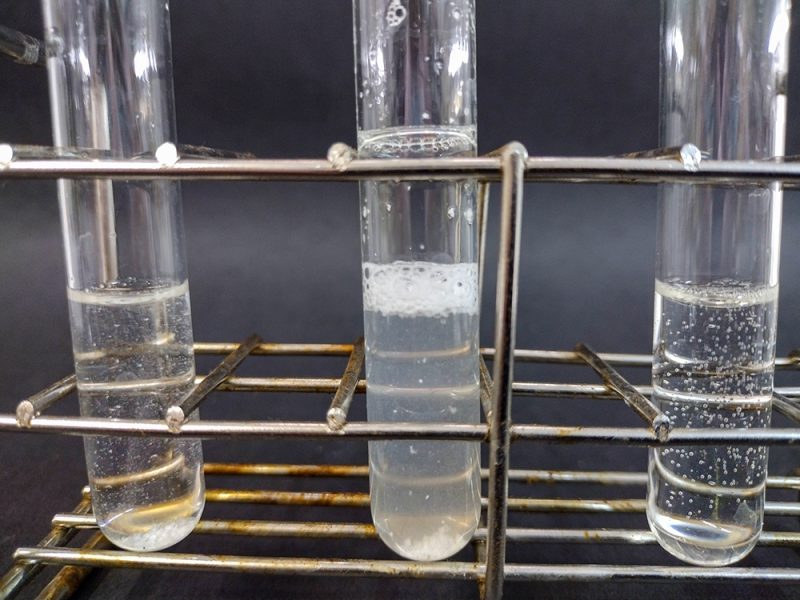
419 288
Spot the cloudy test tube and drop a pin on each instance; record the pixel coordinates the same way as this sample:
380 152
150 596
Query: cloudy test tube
109 68
415 69
723 86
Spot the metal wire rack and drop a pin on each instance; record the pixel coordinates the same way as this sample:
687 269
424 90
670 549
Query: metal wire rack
511 167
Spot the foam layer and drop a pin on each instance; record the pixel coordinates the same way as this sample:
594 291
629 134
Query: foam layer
422 289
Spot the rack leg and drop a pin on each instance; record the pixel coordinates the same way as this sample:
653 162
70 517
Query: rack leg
514 157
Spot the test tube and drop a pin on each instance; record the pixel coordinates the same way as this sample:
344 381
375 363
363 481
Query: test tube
415 70
723 88
109 70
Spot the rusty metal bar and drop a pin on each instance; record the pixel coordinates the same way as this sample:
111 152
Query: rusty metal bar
340 405
251 528
652 415
533 476
479 548
282 498
20 573
512 165
486 391
361 500
69 579
319 385
286 470
177 415
35 405
270 349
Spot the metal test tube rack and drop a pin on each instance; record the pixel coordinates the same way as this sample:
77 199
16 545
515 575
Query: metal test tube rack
511 167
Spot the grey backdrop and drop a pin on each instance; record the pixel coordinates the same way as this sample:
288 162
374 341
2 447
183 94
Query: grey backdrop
572 77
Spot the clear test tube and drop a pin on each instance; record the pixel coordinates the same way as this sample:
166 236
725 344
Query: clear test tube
109 68
415 70
723 88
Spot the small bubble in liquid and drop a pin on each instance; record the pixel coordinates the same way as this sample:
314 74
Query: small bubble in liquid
469 215
451 212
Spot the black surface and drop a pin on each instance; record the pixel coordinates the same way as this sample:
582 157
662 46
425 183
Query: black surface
575 77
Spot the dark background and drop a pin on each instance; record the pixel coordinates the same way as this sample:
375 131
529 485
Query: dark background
564 77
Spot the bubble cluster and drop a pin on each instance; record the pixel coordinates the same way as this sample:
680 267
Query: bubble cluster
411 142
396 13
421 288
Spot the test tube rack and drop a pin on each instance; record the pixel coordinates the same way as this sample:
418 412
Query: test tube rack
511 168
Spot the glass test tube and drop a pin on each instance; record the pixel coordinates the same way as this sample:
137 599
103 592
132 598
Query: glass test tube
415 69
109 68
723 77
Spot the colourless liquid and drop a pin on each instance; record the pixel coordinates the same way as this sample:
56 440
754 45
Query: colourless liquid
421 323
713 368
133 359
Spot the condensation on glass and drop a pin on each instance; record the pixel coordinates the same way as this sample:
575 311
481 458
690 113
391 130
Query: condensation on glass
415 70
723 88
109 68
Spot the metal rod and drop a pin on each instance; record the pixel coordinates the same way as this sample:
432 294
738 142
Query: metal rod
652 415
483 226
340 405
367 531
246 564
35 405
282 498
319 385
512 163
554 169
792 361
689 155
788 407
361 500
272 470
532 476
631 436
23 48
69 579
407 569
251 528
623 436
479 547
20 573
486 391
329 385
177 415
270 349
